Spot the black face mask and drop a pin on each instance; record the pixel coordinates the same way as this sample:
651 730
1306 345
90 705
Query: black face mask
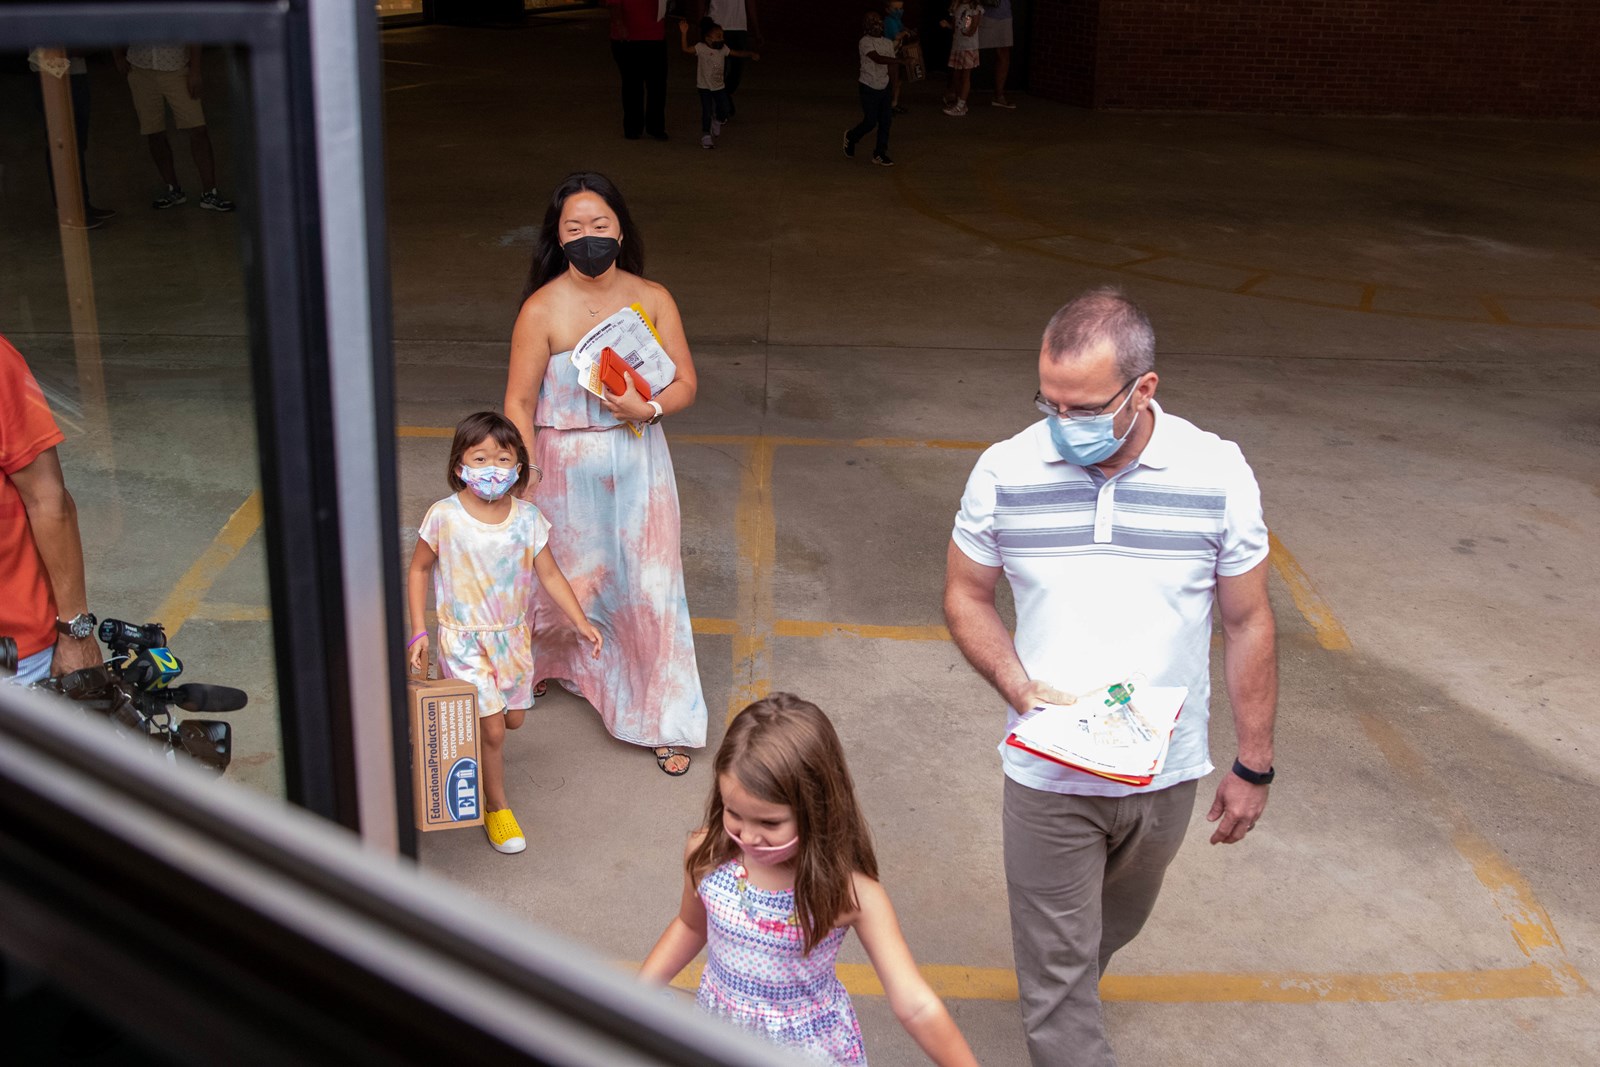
592 255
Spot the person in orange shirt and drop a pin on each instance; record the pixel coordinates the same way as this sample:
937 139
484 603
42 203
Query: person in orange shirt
43 603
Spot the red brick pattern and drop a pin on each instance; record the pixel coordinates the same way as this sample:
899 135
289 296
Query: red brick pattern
1514 58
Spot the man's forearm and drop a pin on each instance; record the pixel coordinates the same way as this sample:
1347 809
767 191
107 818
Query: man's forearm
982 638
1250 664
55 534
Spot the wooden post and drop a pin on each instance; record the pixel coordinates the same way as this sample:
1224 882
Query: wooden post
71 215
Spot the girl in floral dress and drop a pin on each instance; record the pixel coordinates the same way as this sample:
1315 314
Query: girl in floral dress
782 870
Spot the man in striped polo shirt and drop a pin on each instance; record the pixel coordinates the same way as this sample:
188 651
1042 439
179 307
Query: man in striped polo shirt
1118 526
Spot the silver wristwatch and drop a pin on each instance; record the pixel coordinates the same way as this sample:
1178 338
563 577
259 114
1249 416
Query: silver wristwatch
79 626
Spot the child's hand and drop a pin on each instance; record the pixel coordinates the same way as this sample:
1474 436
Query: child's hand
755 55
593 636
418 655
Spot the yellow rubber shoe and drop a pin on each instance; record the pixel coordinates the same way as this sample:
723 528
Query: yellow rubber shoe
504 833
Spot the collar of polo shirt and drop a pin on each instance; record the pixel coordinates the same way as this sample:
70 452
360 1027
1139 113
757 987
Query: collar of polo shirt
1156 454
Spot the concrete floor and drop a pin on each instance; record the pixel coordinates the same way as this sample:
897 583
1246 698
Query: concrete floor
1396 320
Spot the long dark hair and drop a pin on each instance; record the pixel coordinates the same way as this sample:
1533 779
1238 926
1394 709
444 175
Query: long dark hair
548 259
785 751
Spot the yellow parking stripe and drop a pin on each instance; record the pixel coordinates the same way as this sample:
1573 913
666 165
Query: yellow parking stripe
1330 634
196 581
1267 987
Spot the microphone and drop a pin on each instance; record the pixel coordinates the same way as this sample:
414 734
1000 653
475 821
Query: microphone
197 697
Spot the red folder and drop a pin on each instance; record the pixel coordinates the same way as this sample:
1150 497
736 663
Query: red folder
615 372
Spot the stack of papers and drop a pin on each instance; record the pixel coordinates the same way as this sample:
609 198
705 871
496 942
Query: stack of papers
633 337
1120 732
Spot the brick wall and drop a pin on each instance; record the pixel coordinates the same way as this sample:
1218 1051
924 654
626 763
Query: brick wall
1528 58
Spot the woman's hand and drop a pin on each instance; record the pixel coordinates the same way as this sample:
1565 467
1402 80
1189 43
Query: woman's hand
629 405
588 632
418 655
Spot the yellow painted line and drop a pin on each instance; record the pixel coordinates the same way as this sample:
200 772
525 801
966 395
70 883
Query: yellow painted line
1513 896
1315 610
753 440
808 628
1125 264
1251 282
1368 294
755 537
1496 312
1294 987
714 626
197 580
1270 987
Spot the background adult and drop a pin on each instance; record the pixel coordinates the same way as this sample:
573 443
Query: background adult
994 34
1118 526
639 48
43 604
610 494
740 28
162 76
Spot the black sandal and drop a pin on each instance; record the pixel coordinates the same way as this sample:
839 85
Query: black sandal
664 754
541 687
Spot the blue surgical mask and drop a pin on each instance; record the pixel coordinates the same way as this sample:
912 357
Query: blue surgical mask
490 483
1088 441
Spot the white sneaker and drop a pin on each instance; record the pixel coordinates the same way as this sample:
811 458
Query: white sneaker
707 142
716 128
956 109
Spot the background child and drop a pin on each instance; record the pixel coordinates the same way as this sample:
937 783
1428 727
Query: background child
782 869
488 546
965 18
710 77
894 28
877 56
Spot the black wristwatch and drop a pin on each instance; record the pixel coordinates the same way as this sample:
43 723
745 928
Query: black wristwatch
79 626
1255 777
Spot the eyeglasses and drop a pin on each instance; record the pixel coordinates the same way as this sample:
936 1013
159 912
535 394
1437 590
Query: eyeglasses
1050 408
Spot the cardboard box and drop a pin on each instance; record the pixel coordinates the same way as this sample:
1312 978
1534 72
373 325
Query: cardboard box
444 753
915 68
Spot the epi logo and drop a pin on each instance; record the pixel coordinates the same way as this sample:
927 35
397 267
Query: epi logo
461 789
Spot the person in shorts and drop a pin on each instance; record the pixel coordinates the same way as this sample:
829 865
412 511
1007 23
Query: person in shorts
163 76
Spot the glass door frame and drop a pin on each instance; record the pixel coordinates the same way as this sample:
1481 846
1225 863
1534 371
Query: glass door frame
322 371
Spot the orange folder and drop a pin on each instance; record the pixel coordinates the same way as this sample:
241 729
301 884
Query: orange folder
615 372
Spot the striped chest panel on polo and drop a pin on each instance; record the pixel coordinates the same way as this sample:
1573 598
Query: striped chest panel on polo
1127 515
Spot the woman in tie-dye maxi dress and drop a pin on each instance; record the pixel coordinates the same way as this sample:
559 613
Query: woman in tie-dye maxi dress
610 494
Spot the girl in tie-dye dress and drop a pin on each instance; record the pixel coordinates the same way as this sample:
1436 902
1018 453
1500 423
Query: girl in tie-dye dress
771 906
487 551
609 489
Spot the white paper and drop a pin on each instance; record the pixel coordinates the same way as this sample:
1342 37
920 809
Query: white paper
1102 733
631 335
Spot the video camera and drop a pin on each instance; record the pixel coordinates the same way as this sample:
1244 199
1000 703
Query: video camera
133 689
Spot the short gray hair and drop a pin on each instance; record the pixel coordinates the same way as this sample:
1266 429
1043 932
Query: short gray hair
1103 315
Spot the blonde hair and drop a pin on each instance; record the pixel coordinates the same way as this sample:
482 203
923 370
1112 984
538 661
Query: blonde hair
784 751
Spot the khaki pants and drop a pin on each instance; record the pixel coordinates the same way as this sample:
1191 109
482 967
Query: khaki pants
1082 874
154 90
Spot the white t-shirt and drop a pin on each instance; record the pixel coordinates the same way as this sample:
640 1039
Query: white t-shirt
1115 577
875 75
729 14
713 66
